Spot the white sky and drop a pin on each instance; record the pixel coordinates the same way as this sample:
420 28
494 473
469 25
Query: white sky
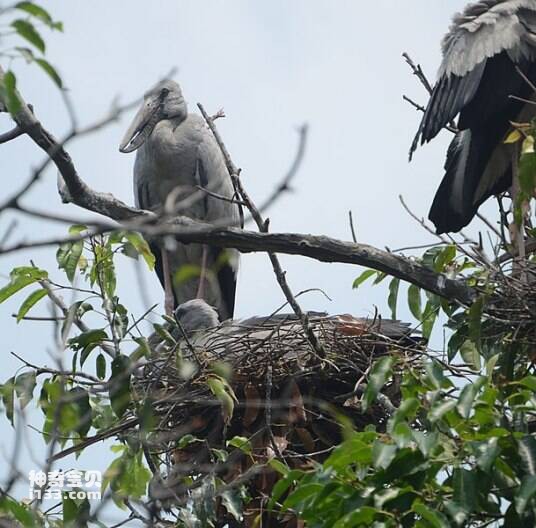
273 66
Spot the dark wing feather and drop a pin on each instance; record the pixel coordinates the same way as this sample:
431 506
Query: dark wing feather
226 274
449 97
484 30
222 260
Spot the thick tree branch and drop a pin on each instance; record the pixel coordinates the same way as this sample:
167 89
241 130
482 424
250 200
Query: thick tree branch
321 248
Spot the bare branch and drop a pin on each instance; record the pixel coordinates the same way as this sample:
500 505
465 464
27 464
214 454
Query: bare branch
11 134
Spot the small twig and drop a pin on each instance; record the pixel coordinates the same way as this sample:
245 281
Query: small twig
9 231
284 184
420 220
418 72
96 438
11 134
417 106
352 229
488 224
219 196
532 86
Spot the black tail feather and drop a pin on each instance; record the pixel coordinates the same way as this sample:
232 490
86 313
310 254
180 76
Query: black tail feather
456 202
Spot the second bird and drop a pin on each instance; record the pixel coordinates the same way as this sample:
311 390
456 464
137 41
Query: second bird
177 156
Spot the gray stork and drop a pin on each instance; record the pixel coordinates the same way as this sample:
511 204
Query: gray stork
478 75
176 157
197 317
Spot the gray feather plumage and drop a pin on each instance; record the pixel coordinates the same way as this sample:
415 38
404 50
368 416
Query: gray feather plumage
485 29
177 154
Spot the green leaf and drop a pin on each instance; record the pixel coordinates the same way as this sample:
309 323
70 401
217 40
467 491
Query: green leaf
434 374
380 277
352 451
186 440
475 321
470 355
414 301
433 517
50 71
379 374
429 316
120 385
467 397
38 12
7 391
223 391
87 341
529 382
185 273
242 443
525 494
440 409
143 349
464 483
283 485
26 53
456 341
141 246
127 476
407 409
101 366
24 387
302 494
233 503
425 441
19 279
68 257
30 301
527 452
445 257
20 511
278 466
70 510
383 454
487 452
367 274
8 91
364 516
80 402
394 286
28 32
527 173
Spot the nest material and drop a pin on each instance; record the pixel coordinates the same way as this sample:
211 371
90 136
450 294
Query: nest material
283 397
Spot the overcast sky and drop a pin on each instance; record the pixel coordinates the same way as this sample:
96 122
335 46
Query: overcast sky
272 66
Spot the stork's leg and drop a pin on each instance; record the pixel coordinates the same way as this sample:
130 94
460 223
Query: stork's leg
169 300
202 273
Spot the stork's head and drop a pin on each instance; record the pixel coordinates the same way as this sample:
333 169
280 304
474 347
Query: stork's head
196 315
164 101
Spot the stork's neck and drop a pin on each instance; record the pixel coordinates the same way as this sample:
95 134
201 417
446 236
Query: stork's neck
175 121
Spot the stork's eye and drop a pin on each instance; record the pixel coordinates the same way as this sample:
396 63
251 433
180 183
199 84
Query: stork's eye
164 92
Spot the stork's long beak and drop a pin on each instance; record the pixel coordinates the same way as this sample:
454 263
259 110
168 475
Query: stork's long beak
142 125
